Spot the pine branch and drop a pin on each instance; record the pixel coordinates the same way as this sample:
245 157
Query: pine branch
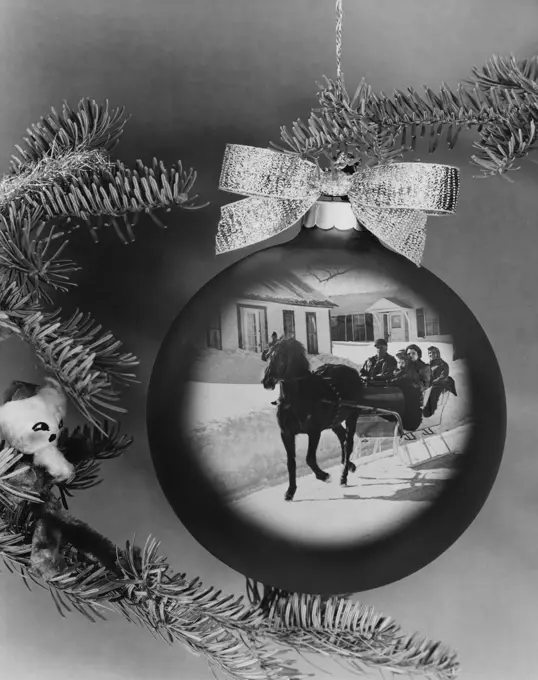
13 488
87 365
58 166
361 638
90 128
14 548
29 255
171 607
66 171
507 73
86 362
501 103
245 642
86 447
14 303
119 192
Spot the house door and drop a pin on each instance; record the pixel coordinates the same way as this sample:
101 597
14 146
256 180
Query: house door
311 333
399 327
252 328
386 327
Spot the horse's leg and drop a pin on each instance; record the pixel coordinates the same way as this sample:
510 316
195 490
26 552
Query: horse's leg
340 432
348 466
288 439
313 441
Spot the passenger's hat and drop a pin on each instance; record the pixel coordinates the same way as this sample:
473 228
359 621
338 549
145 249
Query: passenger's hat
380 342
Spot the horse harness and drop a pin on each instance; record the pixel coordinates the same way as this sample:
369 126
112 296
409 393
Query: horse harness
338 400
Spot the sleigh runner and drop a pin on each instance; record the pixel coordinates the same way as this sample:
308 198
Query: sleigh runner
378 425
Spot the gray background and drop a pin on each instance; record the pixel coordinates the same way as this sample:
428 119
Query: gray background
195 75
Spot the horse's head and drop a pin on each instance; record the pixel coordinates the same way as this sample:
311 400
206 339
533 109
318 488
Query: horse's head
286 360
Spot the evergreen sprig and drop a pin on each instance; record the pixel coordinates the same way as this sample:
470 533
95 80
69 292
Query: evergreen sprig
30 256
62 179
66 170
119 192
92 127
88 446
12 493
245 641
358 636
499 101
88 366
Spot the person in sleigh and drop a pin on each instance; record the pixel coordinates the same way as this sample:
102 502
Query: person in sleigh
440 381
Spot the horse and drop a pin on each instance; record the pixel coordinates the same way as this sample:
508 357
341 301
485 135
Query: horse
310 402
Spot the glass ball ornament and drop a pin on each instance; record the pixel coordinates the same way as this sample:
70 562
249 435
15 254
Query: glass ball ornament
325 416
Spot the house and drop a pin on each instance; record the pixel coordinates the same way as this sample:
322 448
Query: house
287 307
362 318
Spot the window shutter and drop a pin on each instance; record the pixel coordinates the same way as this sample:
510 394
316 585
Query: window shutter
421 324
369 327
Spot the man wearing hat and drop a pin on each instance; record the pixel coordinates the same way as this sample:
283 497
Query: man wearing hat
381 366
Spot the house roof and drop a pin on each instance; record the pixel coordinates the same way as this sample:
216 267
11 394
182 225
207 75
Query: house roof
362 302
289 291
388 303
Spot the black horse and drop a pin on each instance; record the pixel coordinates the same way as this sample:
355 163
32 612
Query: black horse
310 402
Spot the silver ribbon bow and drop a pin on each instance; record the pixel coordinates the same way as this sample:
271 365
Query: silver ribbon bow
391 201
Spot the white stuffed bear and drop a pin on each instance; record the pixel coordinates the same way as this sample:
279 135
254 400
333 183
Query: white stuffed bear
32 425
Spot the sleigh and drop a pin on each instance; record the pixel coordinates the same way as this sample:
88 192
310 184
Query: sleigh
381 427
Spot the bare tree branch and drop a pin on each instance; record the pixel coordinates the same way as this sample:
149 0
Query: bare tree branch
330 274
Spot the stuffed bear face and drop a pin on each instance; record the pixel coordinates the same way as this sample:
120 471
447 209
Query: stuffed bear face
33 424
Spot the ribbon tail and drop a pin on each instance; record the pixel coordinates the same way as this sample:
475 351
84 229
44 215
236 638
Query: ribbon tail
251 220
400 230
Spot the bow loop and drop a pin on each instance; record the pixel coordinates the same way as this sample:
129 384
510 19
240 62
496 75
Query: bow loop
252 171
391 201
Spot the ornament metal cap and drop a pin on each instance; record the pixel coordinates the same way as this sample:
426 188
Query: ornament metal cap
329 214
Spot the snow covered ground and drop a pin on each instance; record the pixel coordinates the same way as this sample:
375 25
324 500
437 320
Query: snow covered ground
209 402
385 492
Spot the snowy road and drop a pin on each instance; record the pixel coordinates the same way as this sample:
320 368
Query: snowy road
385 492
214 402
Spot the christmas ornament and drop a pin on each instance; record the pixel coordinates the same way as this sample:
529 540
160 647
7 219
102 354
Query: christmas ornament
331 404
339 336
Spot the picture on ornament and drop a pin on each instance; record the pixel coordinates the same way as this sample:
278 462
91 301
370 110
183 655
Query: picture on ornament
348 355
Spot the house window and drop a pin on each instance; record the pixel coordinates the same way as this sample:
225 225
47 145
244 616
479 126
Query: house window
428 323
252 327
352 328
214 333
311 333
289 323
